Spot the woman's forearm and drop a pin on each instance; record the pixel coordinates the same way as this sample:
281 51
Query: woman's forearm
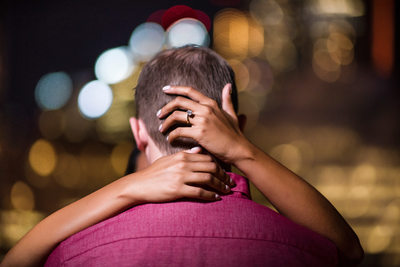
37 244
294 198
167 179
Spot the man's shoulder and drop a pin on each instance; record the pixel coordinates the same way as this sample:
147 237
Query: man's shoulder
235 222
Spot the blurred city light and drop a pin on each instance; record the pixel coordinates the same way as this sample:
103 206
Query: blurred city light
16 223
237 35
331 133
187 31
42 157
147 40
22 197
280 31
53 90
120 156
114 126
114 65
94 99
351 8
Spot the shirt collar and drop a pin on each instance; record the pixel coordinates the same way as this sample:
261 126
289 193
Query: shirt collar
242 184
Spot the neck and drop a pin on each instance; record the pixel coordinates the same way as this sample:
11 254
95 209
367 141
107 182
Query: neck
152 152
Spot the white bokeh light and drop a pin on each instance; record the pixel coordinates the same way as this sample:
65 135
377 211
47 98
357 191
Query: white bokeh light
53 90
147 40
94 99
114 65
187 31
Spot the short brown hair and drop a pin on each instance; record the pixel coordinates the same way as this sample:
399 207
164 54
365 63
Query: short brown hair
197 67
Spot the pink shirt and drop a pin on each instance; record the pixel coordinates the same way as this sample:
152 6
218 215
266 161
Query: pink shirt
235 231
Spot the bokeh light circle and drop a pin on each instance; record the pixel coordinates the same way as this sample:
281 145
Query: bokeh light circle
53 90
22 197
147 40
187 31
114 65
94 99
42 157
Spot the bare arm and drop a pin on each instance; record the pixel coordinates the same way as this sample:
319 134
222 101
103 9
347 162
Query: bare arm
294 198
218 131
165 180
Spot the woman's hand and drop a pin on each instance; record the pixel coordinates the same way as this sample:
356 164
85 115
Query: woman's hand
185 174
215 129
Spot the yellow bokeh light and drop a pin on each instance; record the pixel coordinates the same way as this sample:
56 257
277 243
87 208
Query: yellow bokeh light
119 157
340 48
42 157
123 91
241 74
353 8
289 155
237 35
358 201
22 197
364 174
379 239
16 223
268 12
256 38
114 125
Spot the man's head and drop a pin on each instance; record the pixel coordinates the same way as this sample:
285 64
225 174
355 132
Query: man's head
197 67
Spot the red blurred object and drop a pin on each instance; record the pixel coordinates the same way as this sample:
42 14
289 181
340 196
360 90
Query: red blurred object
383 36
156 16
167 17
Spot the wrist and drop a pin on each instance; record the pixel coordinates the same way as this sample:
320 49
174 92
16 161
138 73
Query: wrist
129 192
246 152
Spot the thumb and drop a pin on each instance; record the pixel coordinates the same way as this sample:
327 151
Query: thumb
227 105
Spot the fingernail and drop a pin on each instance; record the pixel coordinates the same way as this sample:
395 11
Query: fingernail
167 137
231 182
194 148
158 113
167 87
227 188
217 196
160 127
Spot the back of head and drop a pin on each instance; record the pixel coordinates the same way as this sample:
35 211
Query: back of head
197 67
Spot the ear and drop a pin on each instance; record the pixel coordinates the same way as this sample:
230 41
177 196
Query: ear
139 132
242 121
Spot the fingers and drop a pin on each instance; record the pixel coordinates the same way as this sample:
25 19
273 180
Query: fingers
208 180
189 92
199 193
179 103
211 168
191 156
227 105
175 118
202 169
183 132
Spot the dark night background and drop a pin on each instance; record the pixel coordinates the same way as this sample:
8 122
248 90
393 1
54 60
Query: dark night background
39 37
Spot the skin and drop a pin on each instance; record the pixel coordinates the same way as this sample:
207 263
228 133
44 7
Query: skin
183 175
169 178
217 129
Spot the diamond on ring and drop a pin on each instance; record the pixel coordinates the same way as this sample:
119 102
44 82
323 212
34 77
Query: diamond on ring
189 114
